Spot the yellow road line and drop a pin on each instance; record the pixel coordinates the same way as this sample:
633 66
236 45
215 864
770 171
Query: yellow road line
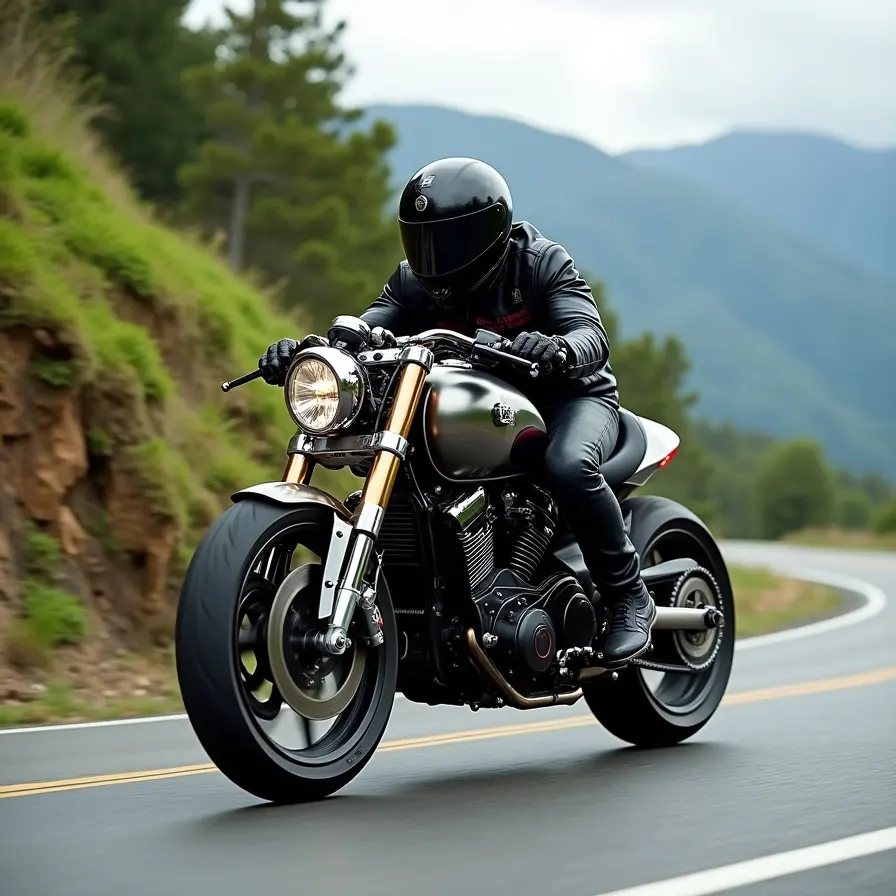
822 686
806 688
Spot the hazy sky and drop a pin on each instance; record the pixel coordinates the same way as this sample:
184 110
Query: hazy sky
627 73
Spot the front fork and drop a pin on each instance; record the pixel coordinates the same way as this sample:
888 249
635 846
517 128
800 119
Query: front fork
352 543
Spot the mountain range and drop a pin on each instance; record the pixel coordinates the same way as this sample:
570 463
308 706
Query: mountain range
840 197
779 285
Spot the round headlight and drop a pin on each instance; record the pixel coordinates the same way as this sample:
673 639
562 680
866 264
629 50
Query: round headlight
324 390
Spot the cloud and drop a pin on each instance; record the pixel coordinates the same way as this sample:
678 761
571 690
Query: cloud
624 73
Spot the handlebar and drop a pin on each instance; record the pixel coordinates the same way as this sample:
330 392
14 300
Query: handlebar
431 337
241 380
490 345
485 344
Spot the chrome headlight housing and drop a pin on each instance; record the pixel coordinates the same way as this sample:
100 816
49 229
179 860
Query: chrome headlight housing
324 390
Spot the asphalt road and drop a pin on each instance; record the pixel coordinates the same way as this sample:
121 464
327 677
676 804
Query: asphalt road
799 757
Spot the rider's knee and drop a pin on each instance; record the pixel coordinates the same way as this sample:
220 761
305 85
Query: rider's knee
569 468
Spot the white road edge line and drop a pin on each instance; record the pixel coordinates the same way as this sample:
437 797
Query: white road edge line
875 601
742 874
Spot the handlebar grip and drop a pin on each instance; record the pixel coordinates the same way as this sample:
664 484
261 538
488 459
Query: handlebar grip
558 362
241 380
561 361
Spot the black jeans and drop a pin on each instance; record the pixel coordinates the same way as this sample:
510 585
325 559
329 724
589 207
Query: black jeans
583 431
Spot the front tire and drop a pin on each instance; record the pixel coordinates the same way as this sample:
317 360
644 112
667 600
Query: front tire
683 703
233 575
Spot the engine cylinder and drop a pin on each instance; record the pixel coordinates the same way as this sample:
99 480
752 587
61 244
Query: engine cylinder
535 520
528 550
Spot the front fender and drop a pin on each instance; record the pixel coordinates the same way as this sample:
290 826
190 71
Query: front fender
293 494
288 494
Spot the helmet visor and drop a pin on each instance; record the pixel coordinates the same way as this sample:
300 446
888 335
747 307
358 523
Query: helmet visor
438 248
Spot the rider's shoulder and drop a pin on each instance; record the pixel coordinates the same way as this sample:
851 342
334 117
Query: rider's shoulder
532 245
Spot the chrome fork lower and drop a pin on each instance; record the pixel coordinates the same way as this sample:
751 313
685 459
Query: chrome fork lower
351 591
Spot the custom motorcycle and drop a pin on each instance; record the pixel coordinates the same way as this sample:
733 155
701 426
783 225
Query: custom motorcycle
450 577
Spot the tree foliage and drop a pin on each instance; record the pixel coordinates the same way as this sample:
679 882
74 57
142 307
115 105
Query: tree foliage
852 509
300 194
795 488
885 520
735 455
135 51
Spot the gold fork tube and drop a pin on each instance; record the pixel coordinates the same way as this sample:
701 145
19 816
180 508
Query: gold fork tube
381 479
298 470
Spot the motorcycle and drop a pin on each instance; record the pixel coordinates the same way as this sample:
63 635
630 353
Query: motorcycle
450 577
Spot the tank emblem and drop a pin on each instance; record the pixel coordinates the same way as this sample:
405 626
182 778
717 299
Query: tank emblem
503 415
421 203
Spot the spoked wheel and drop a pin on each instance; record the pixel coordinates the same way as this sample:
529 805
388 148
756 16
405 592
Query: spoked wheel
279 718
661 708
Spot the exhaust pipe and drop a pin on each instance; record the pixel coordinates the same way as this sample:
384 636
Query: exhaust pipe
687 619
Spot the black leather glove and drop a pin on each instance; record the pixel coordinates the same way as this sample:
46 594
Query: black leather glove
380 337
535 347
275 361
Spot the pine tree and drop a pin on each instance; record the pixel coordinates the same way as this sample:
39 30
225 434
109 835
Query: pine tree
134 51
291 177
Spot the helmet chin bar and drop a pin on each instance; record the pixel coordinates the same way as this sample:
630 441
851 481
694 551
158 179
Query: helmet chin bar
442 297
448 298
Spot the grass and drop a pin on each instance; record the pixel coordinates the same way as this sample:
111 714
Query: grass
49 709
61 701
840 538
50 616
766 602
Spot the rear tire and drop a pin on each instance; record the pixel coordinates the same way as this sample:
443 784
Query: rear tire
208 656
627 707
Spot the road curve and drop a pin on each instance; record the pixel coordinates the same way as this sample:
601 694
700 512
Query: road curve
770 797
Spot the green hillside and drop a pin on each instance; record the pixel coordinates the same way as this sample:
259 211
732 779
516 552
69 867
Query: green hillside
119 448
784 337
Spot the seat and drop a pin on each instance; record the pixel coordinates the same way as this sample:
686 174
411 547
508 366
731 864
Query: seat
628 452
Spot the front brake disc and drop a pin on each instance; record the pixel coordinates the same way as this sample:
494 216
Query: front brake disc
297 591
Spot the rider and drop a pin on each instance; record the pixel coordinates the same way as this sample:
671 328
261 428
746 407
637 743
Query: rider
467 266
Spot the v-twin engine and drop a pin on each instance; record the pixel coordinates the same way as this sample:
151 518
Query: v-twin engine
523 624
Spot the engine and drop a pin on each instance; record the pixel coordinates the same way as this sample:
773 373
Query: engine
502 546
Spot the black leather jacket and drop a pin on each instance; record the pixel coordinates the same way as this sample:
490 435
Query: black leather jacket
538 289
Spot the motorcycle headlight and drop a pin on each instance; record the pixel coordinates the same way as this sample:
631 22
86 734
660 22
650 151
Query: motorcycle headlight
324 390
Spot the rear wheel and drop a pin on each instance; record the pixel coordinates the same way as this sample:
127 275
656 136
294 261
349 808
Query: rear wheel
657 709
282 721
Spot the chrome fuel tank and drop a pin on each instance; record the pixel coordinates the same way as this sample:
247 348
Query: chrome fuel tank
477 427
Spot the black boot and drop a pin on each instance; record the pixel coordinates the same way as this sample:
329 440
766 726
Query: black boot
628 631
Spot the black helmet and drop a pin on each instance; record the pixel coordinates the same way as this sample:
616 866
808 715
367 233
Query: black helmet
455 216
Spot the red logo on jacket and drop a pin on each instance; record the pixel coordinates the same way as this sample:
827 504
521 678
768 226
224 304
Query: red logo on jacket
514 321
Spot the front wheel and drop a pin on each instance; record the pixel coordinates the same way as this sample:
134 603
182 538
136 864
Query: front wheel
283 722
659 709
